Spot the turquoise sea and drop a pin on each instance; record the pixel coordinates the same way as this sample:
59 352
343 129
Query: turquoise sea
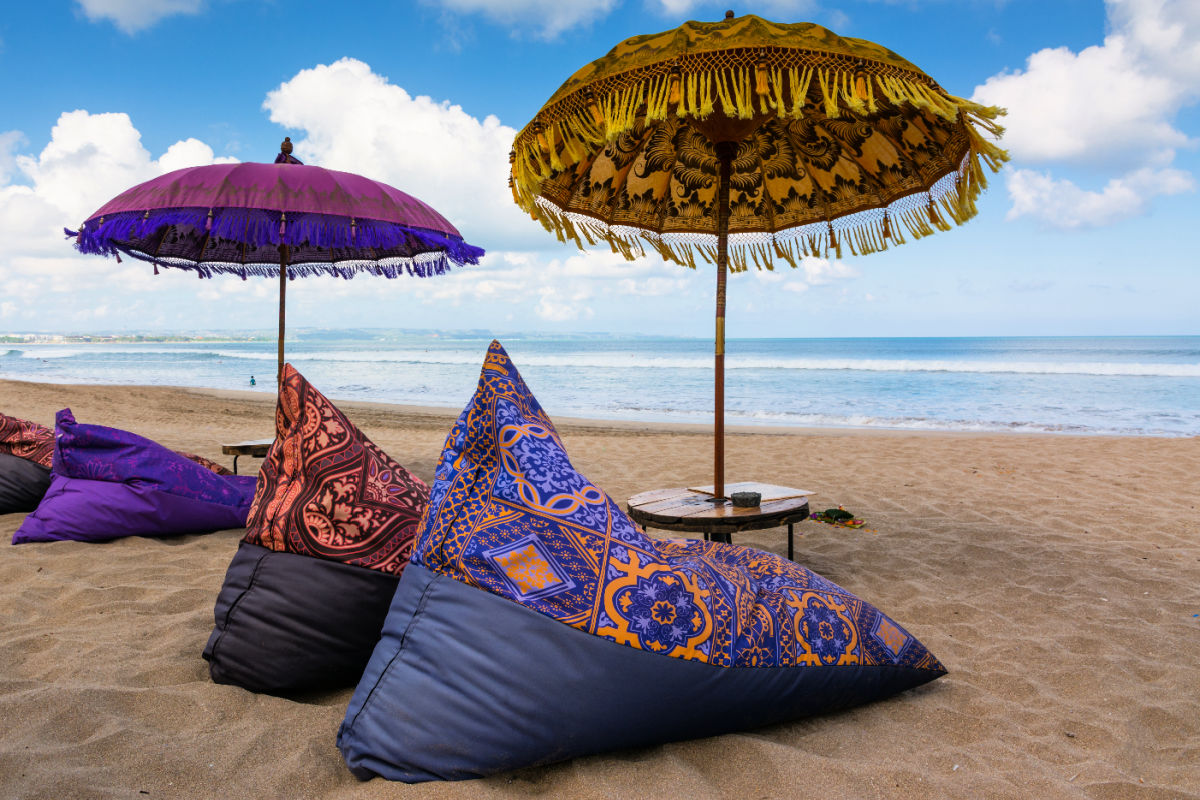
1143 386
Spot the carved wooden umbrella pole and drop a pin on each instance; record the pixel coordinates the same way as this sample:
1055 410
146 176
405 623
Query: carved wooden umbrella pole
750 142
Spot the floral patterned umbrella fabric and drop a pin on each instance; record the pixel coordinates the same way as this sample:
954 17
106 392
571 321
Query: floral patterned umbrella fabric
747 142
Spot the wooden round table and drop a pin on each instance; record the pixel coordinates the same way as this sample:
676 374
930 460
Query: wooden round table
255 448
695 511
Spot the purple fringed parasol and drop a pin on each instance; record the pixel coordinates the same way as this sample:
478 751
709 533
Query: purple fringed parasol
283 219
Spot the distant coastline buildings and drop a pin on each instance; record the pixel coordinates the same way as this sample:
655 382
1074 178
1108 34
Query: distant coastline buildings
58 338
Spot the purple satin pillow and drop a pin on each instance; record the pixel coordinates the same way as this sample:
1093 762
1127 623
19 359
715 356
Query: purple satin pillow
107 483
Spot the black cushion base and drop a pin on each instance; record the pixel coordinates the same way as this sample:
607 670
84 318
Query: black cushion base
288 623
22 484
465 684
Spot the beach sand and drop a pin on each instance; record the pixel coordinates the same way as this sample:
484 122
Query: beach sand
1057 577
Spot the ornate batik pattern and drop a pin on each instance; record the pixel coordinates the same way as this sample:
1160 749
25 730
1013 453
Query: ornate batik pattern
787 174
206 463
35 443
325 490
509 514
841 145
28 440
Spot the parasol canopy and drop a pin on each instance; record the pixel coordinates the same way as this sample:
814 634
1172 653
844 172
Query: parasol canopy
284 220
747 141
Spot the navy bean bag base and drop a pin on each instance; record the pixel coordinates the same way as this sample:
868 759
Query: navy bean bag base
258 645
23 484
444 701
537 622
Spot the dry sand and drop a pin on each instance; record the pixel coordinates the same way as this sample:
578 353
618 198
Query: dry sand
1057 577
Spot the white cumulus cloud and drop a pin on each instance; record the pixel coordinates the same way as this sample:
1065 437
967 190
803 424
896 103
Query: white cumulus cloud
132 16
189 153
822 271
88 159
812 271
1097 104
1164 34
1062 204
92 157
9 142
358 121
561 304
1111 108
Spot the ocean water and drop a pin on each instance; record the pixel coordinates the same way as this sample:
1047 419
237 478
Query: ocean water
1143 386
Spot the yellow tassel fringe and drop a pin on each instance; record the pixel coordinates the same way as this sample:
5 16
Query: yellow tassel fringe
571 131
859 234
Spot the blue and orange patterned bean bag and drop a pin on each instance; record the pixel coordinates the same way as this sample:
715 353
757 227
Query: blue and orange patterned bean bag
537 622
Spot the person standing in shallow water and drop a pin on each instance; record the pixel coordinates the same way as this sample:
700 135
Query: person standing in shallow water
252 383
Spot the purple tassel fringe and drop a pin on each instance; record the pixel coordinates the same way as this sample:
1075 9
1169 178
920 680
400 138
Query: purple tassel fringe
433 251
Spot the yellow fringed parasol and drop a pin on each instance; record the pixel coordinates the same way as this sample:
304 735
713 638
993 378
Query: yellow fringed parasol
746 141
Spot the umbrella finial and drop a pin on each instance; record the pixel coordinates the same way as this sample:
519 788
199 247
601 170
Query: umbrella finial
285 153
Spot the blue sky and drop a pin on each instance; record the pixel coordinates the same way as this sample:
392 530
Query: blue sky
1092 229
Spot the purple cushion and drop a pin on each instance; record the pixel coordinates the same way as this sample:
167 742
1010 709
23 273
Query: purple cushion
106 483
